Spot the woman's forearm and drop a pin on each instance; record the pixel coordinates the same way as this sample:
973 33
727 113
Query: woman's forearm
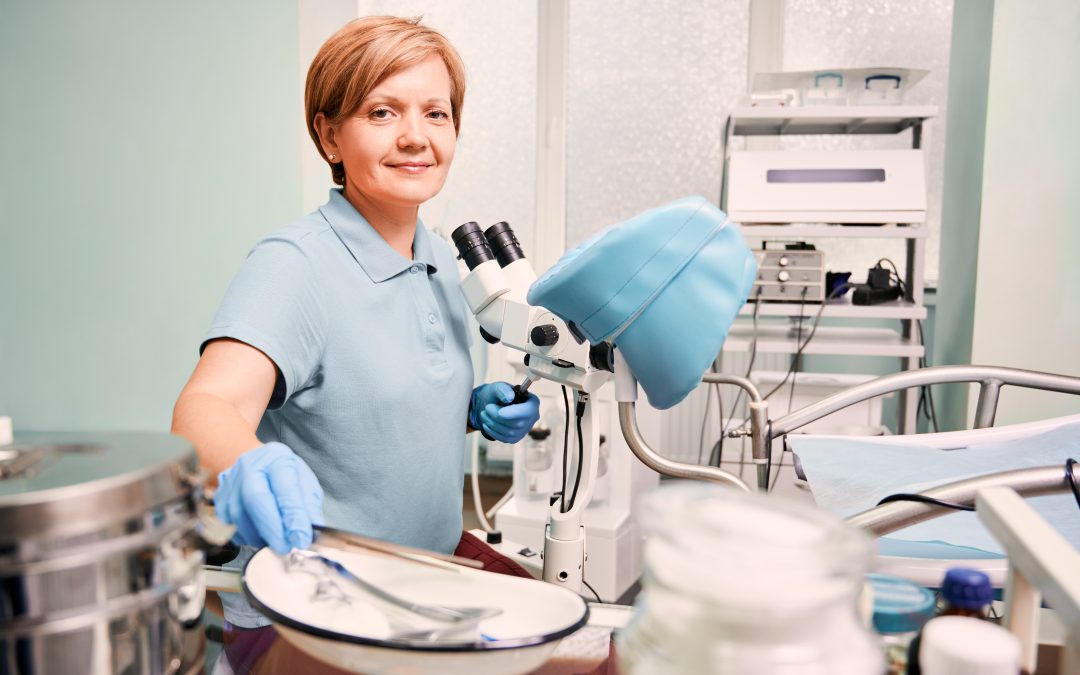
219 432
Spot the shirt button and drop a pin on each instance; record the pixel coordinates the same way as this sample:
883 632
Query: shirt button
431 318
414 269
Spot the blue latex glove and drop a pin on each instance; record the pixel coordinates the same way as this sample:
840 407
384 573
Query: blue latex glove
272 497
492 411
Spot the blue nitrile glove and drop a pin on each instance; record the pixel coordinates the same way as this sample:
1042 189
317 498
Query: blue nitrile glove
493 412
272 497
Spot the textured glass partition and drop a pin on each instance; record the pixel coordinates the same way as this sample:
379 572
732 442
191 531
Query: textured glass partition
855 33
649 86
494 173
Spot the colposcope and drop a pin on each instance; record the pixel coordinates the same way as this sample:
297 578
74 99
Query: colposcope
495 288
585 356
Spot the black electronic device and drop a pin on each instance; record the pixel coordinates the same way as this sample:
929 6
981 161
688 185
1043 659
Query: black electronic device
879 287
865 294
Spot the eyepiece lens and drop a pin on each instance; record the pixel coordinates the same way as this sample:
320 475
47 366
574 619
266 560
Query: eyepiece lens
504 243
471 244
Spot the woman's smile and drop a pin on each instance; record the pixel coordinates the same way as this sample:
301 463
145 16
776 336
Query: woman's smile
411 168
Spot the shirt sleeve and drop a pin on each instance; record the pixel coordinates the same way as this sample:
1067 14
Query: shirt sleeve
274 305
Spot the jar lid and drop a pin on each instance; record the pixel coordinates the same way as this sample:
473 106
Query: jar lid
900 605
963 645
967 588
62 484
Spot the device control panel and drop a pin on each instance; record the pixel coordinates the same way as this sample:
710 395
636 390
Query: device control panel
789 276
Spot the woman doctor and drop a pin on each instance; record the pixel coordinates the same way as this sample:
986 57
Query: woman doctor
335 382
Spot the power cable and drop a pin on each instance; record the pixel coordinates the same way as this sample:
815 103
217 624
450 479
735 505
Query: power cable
579 412
926 396
1070 478
912 497
798 353
593 590
565 444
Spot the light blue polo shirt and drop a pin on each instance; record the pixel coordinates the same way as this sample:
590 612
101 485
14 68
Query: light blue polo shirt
374 369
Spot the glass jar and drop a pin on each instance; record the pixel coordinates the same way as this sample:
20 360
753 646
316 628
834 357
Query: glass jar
901 607
747 584
535 470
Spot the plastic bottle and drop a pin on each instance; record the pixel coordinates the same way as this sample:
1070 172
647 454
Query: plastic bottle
964 645
965 592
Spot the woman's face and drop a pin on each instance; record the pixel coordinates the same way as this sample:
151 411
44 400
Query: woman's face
397 147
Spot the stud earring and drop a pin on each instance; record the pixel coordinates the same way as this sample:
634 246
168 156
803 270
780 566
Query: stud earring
333 157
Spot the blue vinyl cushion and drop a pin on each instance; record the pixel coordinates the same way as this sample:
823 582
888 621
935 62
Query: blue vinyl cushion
664 286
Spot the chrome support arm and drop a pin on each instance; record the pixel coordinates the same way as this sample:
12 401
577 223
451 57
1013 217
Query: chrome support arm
648 457
882 520
759 421
986 409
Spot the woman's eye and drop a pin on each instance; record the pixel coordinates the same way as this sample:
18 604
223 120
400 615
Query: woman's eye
380 114
438 115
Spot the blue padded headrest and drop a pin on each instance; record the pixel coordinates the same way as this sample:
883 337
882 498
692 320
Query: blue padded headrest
664 286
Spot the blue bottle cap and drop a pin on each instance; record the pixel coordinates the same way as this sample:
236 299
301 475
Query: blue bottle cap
900 606
966 588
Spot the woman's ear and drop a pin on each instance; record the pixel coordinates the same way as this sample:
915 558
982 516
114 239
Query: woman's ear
327 136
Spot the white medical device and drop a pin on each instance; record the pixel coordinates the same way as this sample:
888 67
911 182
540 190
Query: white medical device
495 291
789 276
854 187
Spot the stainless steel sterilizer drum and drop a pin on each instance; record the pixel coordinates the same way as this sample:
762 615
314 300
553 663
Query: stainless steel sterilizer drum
99 571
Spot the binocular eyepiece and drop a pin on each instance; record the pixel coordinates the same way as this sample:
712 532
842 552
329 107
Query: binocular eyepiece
497 242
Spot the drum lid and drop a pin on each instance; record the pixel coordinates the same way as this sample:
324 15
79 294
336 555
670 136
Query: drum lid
67 483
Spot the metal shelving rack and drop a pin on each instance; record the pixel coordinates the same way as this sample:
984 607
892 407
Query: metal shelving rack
828 340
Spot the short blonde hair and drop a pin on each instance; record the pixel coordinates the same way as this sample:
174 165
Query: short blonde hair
362 54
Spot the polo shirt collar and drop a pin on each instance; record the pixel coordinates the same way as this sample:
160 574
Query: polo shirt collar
368 248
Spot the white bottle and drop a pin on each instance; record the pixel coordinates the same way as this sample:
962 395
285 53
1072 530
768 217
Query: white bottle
963 645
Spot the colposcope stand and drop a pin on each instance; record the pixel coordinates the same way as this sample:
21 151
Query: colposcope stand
495 289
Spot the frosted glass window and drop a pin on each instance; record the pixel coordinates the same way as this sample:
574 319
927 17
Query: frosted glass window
649 86
493 177
822 34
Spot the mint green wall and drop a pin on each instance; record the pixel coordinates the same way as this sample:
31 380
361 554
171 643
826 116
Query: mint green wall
146 146
1027 292
961 204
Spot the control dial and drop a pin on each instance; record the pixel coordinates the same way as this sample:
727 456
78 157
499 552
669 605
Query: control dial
783 275
544 335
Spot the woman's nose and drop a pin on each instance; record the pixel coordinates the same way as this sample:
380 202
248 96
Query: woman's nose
412 133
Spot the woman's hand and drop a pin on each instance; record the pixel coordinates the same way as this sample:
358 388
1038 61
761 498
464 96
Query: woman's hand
492 411
272 497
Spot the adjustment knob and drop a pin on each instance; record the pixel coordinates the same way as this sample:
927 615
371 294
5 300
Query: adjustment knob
783 275
783 262
544 335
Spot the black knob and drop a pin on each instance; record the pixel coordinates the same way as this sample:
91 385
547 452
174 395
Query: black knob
545 335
